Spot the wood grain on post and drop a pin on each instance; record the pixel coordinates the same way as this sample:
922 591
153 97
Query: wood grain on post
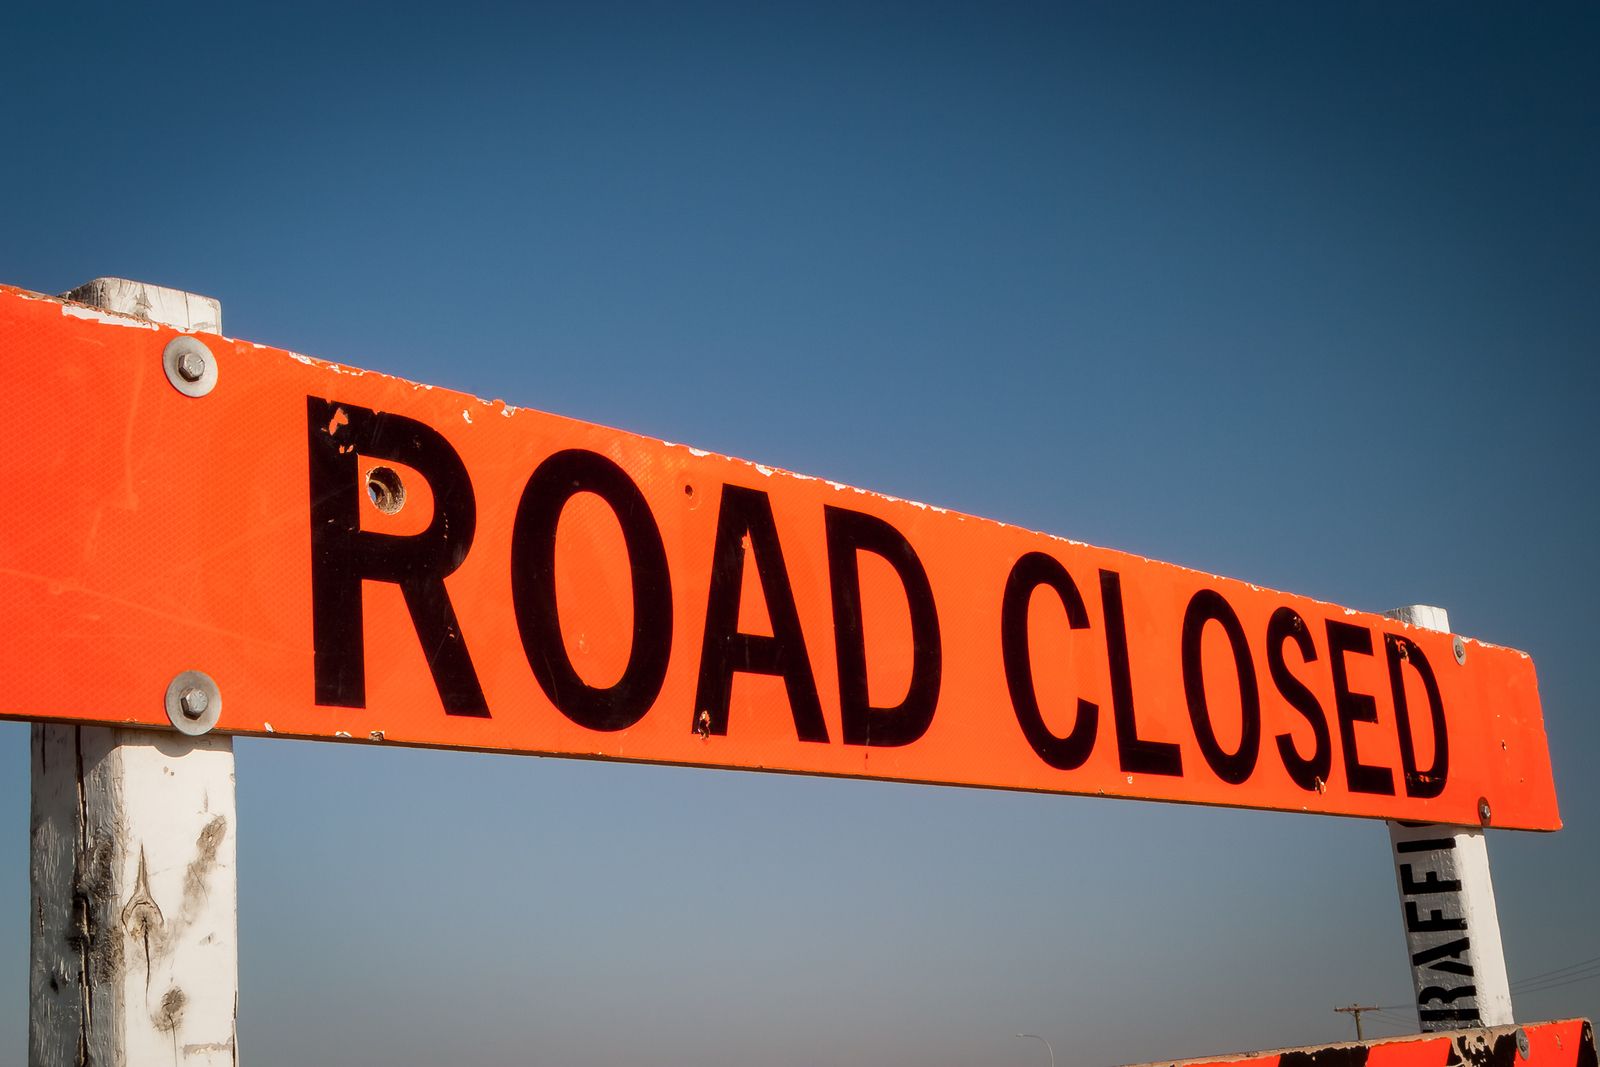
133 922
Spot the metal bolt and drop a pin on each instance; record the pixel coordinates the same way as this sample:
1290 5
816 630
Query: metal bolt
1483 810
1459 647
1522 1042
194 702
191 368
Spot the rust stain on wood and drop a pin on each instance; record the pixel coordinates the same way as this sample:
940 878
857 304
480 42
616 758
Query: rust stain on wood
205 860
171 1009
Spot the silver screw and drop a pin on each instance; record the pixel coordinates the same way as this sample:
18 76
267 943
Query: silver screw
1483 810
194 702
1522 1042
191 368
1459 647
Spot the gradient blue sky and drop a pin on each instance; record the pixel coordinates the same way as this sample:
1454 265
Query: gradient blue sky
1307 294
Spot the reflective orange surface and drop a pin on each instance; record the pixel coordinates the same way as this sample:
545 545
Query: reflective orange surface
1566 1043
550 586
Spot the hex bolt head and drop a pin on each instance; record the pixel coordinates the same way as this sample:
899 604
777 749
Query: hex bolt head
194 702
1459 647
191 367
1483 810
1522 1042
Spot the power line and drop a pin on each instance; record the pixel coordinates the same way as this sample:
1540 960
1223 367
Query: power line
1551 983
1528 979
1587 970
1572 979
1557 978
1571 974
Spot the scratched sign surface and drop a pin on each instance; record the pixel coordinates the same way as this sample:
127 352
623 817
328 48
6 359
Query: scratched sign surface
1565 1043
353 556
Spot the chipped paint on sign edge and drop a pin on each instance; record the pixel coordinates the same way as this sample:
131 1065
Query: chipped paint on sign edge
86 312
79 311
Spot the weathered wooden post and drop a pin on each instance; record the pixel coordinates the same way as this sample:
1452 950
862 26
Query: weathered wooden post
1458 966
134 896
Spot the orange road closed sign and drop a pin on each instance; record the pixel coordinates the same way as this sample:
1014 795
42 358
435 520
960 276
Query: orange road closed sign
341 554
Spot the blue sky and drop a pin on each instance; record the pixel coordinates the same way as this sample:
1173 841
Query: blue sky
1303 294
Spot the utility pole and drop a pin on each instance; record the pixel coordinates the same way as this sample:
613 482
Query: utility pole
1356 1010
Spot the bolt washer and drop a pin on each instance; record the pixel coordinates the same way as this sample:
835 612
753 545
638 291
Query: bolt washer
197 693
181 358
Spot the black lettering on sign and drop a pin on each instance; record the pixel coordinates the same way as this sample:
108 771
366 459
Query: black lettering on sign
1452 967
1436 920
1443 962
1442 995
1332 1056
1429 844
1429 783
533 590
1029 573
1430 883
1135 753
862 723
1440 1015
1232 767
1446 958
1343 639
725 651
343 555
1308 772
1457 948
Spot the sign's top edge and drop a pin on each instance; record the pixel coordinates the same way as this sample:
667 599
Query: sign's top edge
90 313
1488 1034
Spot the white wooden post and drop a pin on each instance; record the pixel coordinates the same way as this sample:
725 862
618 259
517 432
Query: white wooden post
1458 967
133 921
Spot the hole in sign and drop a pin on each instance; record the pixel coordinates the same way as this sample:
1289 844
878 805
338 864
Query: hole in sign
385 489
